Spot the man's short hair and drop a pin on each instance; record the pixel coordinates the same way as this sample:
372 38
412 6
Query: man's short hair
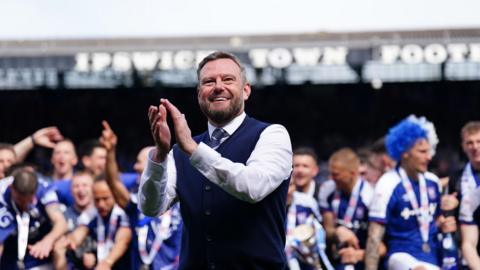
378 147
470 128
21 166
25 182
67 140
7 146
222 55
305 151
82 173
347 157
87 147
364 154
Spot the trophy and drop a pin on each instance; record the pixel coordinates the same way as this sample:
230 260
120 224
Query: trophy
305 245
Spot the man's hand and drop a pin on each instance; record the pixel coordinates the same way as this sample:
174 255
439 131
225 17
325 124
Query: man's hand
344 235
108 138
47 137
160 131
41 249
449 202
447 224
103 265
182 130
350 255
89 260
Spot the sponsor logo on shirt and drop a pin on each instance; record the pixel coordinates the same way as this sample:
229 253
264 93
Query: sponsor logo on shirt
407 212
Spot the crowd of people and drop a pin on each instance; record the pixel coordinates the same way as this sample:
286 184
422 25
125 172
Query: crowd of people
79 219
238 196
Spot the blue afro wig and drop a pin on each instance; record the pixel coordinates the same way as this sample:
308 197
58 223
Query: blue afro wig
402 137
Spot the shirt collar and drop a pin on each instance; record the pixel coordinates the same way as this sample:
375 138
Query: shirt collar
311 188
231 127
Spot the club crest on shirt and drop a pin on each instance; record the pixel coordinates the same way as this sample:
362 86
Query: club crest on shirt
301 217
6 218
34 212
432 195
360 213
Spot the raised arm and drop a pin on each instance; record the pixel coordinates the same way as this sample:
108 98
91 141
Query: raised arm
42 248
157 184
120 246
268 166
45 137
109 141
376 232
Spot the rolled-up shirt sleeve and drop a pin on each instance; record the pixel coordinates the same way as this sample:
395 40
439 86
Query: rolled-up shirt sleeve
157 186
469 206
269 164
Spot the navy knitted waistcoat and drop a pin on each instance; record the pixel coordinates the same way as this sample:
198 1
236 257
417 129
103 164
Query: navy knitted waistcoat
221 231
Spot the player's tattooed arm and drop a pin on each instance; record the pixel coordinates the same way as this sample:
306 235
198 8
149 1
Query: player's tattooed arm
375 236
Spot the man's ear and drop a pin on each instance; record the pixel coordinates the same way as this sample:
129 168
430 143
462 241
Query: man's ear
316 170
86 161
246 91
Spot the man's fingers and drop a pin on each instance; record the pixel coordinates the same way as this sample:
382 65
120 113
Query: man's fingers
342 251
355 242
49 144
162 113
155 130
152 111
171 109
106 126
154 122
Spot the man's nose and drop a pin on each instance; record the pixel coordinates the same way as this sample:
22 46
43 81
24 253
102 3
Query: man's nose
219 85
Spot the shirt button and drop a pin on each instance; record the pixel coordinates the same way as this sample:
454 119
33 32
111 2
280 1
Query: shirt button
208 212
208 187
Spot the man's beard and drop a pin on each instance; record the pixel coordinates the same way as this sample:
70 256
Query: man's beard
221 117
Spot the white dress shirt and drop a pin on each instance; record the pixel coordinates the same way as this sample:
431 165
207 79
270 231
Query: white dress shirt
269 164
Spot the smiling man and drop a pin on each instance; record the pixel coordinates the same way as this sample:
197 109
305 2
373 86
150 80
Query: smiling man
32 206
64 158
406 204
109 226
81 190
231 181
305 169
463 182
467 178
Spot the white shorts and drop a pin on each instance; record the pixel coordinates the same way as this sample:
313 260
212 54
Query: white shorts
405 261
48 266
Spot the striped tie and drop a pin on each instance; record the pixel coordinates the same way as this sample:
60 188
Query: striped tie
217 135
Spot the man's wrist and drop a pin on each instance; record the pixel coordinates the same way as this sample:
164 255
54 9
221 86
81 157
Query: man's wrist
33 140
158 155
108 261
191 148
360 254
